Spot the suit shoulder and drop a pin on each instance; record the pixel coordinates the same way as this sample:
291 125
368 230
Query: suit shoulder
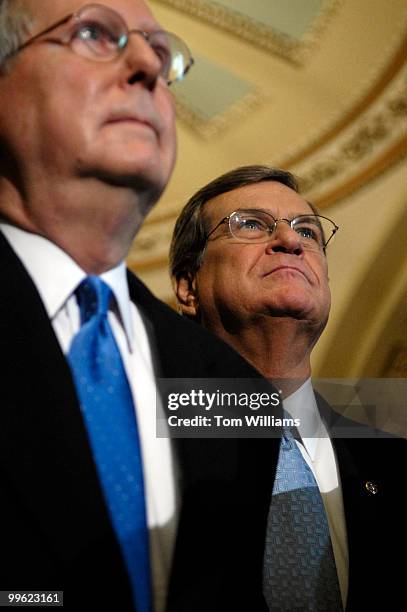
185 348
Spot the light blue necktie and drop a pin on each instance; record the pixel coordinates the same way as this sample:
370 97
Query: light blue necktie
299 565
108 411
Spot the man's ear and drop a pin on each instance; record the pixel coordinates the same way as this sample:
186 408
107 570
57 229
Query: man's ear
185 290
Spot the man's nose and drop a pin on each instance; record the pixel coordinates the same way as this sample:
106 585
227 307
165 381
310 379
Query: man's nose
284 239
142 63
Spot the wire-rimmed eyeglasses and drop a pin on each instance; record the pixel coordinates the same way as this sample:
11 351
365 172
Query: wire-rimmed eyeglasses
256 226
99 33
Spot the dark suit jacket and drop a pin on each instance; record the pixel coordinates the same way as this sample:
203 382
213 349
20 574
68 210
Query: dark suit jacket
374 521
54 528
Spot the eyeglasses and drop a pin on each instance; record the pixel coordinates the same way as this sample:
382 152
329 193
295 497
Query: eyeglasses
100 33
314 231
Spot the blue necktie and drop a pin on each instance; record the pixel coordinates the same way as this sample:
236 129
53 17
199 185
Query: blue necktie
299 565
108 412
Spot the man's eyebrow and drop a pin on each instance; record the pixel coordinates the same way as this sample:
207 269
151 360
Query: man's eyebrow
269 212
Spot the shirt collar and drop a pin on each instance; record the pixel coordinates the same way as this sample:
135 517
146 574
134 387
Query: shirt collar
116 278
56 275
302 405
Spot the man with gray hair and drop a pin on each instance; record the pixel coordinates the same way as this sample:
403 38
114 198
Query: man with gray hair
248 261
92 502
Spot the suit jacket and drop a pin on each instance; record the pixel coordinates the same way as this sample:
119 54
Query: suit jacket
371 467
55 532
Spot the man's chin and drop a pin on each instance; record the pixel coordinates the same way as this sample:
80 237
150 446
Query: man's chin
143 179
294 309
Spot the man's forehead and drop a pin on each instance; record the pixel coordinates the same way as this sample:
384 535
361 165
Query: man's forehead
269 196
135 12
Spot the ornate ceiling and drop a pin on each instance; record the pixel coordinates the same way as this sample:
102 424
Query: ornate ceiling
318 88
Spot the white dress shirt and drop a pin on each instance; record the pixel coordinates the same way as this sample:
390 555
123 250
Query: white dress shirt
318 452
56 276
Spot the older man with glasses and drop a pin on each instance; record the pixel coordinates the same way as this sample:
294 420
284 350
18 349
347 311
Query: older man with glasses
248 261
92 502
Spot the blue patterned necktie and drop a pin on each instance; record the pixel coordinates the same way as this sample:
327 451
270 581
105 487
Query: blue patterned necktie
108 412
299 565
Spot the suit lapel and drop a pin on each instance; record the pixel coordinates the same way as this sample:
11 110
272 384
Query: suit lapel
361 460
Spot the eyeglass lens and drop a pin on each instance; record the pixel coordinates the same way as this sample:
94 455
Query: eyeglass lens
100 33
314 231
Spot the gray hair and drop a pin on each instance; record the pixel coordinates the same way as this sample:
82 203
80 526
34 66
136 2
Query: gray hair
15 24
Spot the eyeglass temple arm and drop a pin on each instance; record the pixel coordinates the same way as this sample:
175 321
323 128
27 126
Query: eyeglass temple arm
216 227
333 232
52 27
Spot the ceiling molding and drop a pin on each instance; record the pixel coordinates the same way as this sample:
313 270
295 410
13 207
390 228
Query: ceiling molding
257 33
361 181
376 138
208 128
382 81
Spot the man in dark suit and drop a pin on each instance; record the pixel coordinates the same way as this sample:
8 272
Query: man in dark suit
248 260
87 145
